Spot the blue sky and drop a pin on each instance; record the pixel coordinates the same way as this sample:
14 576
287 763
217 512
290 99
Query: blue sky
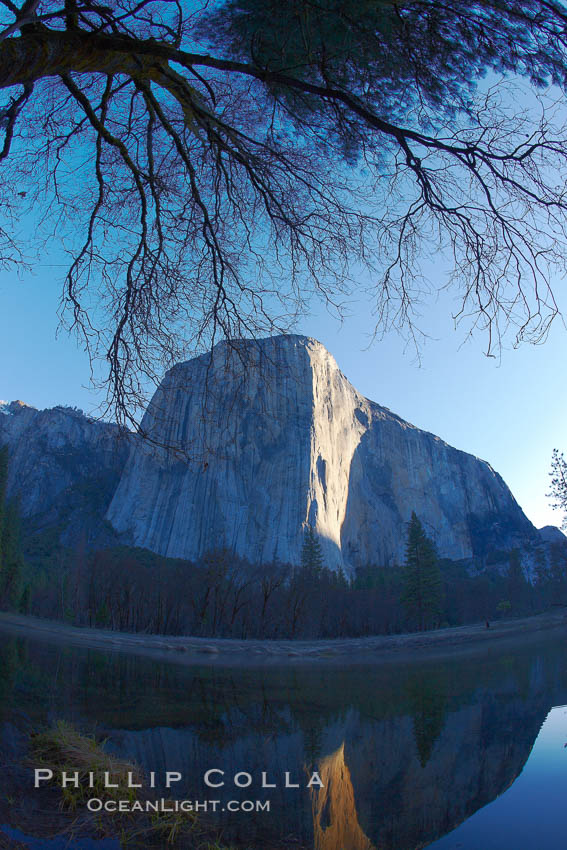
510 412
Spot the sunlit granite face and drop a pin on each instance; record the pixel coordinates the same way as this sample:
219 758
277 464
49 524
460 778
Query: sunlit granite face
253 442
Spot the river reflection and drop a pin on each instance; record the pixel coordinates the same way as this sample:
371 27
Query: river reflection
406 753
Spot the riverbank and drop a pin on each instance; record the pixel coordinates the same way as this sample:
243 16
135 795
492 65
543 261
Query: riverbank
196 650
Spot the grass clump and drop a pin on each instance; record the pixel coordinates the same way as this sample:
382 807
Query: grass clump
62 748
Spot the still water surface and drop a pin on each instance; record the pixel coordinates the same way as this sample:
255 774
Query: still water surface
466 753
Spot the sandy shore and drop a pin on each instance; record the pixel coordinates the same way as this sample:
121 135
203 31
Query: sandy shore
220 650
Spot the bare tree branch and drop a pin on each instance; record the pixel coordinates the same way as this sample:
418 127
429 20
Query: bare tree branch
210 169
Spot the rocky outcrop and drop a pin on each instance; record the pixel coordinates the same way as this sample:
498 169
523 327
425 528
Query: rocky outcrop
553 535
254 441
63 469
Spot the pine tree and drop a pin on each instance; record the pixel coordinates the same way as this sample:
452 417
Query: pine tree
558 492
517 585
421 595
311 553
25 600
427 696
11 558
3 485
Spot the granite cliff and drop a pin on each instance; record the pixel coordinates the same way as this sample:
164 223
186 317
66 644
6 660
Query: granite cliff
253 441
64 468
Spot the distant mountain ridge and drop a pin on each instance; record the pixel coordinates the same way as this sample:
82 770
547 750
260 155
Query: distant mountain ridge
249 444
64 468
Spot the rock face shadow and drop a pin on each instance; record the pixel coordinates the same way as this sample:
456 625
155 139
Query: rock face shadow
464 506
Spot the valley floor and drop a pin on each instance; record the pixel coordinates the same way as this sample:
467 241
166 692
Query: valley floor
222 651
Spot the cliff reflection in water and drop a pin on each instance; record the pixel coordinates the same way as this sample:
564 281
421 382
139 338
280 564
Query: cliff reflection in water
335 821
405 753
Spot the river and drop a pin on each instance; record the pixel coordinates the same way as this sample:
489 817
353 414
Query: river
468 752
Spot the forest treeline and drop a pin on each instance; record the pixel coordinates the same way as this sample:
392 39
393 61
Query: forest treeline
222 595
13 591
